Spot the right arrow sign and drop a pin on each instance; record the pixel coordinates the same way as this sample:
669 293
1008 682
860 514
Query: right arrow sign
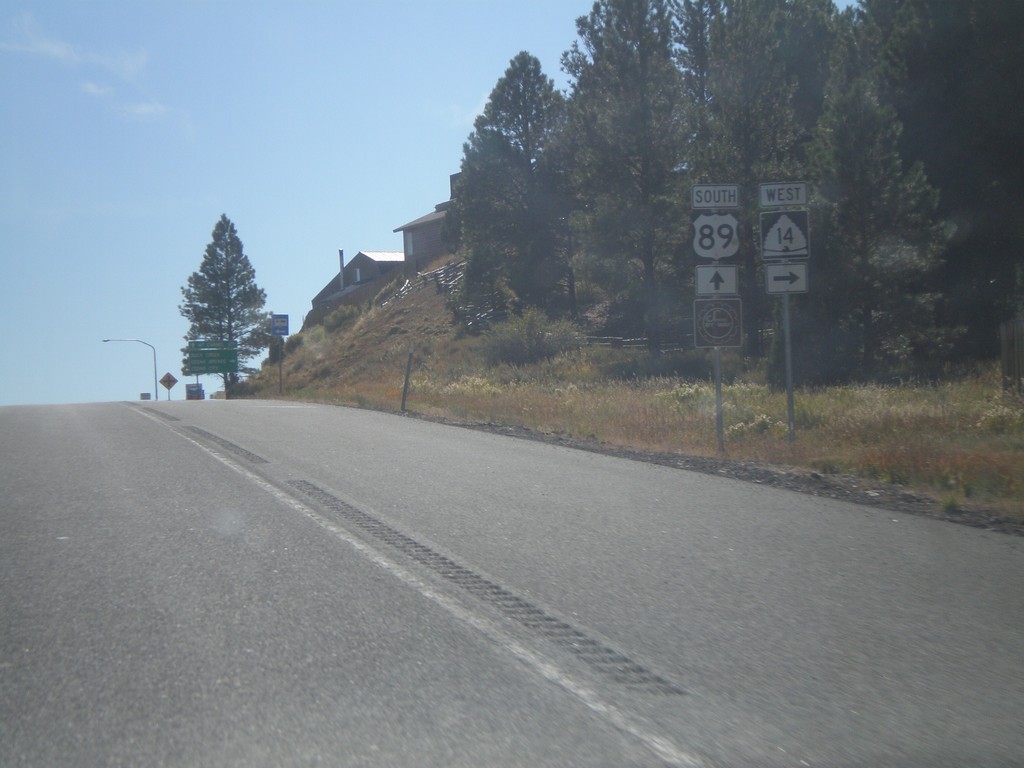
786 278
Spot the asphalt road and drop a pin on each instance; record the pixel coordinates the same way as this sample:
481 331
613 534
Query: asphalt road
266 583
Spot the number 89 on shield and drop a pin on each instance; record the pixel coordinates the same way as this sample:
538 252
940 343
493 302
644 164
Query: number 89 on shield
716 236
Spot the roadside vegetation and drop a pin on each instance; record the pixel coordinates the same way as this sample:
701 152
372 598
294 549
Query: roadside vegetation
960 441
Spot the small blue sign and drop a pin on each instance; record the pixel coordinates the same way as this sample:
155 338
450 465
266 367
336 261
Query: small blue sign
279 325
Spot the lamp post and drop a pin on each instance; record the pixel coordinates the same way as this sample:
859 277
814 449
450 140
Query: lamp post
156 392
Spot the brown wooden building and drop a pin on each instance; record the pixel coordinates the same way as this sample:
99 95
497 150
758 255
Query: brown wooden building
422 239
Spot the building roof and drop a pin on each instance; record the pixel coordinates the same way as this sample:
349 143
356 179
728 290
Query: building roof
330 291
435 215
383 255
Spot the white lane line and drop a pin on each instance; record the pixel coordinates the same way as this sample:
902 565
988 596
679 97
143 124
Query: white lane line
663 747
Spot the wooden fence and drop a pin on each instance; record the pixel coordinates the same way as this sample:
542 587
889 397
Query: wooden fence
445 280
1011 338
672 345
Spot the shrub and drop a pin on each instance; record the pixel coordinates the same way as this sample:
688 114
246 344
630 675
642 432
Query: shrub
1003 417
529 339
629 364
314 337
760 424
340 317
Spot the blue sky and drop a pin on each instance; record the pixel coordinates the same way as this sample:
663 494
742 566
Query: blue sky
128 128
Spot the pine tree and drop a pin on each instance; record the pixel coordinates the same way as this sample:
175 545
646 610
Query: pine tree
695 19
627 120
506 213
222 301
954 71
875 306
753 132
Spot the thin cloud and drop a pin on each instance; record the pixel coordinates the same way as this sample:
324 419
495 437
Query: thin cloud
47 49
145 110
126 67
94 89
31 41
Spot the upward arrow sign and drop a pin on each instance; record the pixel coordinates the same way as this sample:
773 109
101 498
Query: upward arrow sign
719 280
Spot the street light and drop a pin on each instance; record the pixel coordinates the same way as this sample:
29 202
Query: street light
156 392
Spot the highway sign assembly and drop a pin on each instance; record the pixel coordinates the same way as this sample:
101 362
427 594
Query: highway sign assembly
717 280
716 236
717 322
212 356
785 235
785 245
786 277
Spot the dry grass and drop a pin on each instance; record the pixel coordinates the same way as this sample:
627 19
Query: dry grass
960 441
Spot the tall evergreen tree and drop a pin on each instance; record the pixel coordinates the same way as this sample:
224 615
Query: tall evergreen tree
694 19
873 309
222 301
807 31
628 125
753 134
506 212
954 70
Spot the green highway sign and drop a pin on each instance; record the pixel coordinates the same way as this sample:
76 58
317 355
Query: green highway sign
218 356
213 354
212 344
212 361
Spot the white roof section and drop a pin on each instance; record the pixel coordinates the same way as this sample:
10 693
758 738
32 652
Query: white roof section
389 256
385 255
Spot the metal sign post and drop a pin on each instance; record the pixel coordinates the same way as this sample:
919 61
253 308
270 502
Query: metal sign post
279 328
168 380
786 278
785 235
719 418
791 421
717 322
408 373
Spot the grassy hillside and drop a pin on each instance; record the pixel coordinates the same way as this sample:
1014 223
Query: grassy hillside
960 442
